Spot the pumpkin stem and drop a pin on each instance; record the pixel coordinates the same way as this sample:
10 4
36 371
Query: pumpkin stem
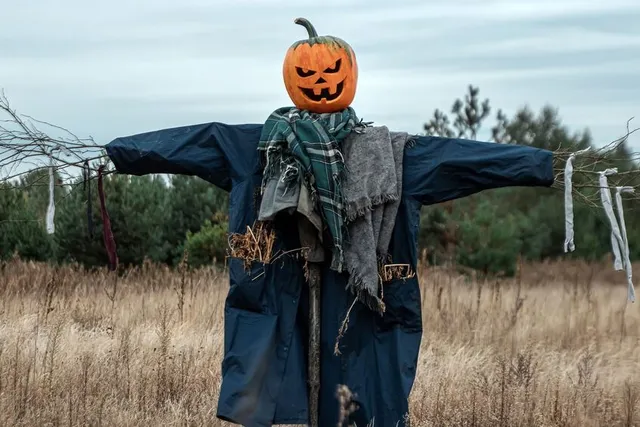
305 23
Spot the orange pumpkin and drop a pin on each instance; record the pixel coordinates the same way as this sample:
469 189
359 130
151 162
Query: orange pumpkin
320 73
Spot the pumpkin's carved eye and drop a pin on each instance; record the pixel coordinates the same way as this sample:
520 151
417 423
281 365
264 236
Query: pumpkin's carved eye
304 73
335 67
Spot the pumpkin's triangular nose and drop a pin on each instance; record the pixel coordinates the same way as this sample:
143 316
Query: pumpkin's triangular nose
321 80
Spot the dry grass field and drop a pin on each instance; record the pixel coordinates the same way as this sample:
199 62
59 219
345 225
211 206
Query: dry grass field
557 346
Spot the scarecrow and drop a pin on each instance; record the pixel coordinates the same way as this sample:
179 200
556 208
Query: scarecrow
323 221
349 193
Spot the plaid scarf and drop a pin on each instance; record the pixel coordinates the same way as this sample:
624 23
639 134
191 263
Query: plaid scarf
296 140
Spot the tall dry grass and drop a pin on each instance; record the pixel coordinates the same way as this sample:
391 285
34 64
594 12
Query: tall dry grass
557 346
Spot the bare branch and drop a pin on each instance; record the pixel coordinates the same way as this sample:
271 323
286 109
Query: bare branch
588 165
25 149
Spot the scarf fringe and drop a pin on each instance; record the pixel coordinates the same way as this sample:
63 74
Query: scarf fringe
384 259
354 211
355 286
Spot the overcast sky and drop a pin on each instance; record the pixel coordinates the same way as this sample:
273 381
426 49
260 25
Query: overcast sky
108 69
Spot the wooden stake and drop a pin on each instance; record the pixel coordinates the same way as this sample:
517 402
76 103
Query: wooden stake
314 278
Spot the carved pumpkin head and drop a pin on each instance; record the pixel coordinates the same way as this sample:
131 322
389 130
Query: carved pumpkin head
320 73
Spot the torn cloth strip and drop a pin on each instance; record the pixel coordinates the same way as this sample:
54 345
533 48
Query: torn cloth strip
51 209
86 184
616 237
569 244
109 240
372 191
631 293
289 194
309 141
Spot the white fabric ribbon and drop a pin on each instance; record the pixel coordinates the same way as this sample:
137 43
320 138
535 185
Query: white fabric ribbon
51 209
616 237
569 245
619 242
631 293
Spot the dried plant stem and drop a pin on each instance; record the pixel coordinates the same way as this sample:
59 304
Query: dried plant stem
257 244
567 362
587 165
254 245
396 271
343 328
24 146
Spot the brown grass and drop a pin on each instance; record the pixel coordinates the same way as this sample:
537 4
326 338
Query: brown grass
256 244
556 347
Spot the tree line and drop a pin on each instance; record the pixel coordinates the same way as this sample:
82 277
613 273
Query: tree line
160 219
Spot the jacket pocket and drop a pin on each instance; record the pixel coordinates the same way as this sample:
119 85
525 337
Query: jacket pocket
250 349
402 301
247 285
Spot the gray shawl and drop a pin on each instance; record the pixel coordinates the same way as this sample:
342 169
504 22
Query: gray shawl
372 192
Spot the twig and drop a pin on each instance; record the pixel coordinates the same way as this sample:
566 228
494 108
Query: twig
256 241
592 162
24 146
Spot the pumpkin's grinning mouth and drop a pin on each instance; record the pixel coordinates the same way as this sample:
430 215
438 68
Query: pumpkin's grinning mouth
324 95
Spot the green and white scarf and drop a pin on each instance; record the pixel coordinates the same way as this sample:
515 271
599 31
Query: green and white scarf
297 140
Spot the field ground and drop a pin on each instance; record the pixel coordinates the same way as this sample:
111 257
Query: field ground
557 346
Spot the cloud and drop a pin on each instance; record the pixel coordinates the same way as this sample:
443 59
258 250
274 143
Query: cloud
115 68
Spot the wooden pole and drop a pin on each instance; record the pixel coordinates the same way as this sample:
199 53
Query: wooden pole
314 277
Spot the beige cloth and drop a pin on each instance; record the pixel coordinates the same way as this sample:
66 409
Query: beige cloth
293 197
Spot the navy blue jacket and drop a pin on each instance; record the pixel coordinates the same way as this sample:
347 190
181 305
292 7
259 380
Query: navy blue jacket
264 367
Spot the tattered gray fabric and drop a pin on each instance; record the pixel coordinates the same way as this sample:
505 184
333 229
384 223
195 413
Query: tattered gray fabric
372 189
287 192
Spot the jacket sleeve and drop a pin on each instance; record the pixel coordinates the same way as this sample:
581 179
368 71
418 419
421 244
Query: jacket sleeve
213 151
438 169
